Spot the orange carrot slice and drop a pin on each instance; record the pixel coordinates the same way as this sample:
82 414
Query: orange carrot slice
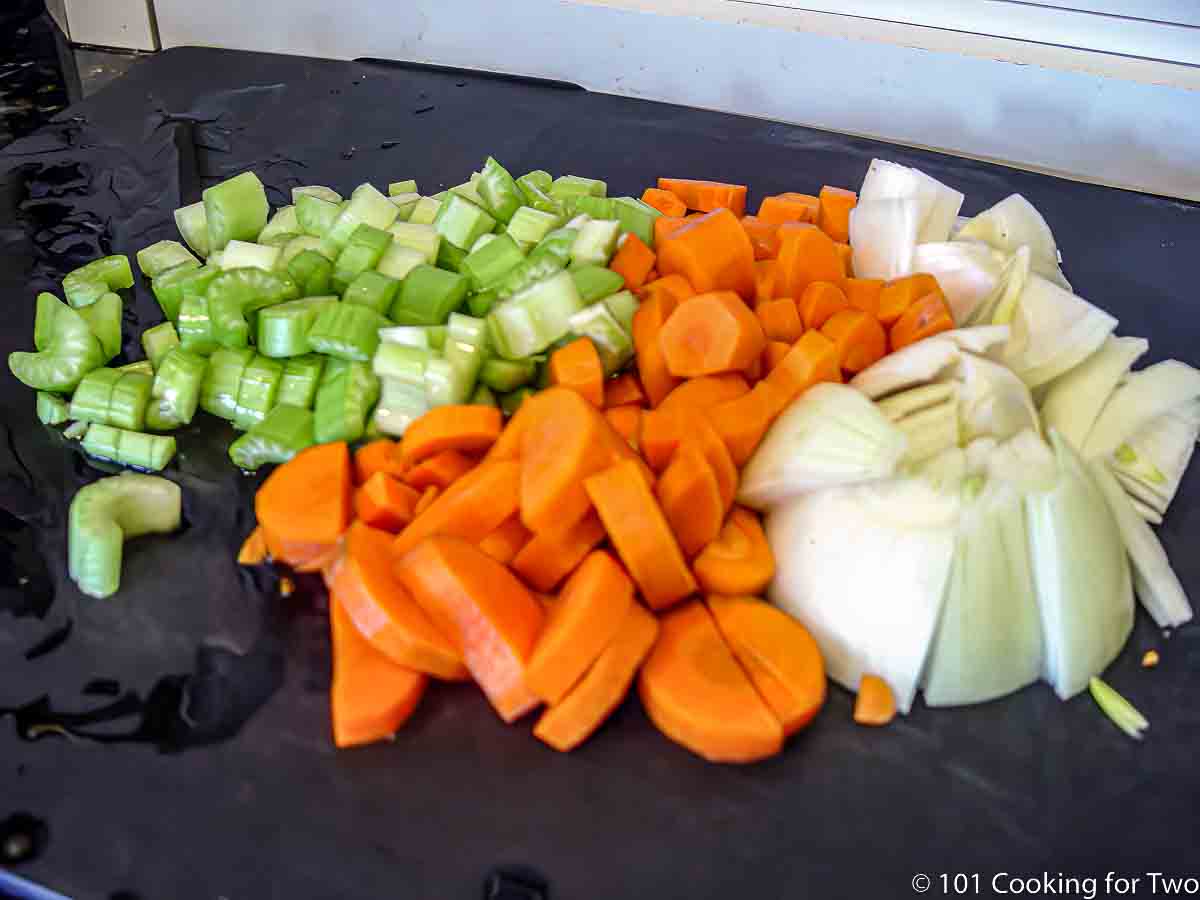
859 338
467 428
377 456
648 321
691 499
764 237
675 288
426 501
665 226
806 254
712 252
440 470
780 320
254 549
707 196
833 213
663 428
820 301
471 508
846 252
709 334
577 367
489 616
698 696
812 359
764 280
383 502
773 354
550 556
926 317
864 294
665 202
624 390
627 422
740 560
741 423
875 703
308 500
506 541
633 261
701 432
898 295
783 208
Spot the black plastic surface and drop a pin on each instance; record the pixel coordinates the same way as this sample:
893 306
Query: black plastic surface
211 665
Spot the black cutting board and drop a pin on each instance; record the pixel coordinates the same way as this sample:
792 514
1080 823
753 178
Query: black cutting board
217 777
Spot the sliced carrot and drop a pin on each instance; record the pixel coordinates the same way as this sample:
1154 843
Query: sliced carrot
699 394
698 696
806 254
780 320
440 470
303 556
901 293
506 540
665 202
707 196
665 427
638 529
467 428
864 293
812 359
741 423
657 381
577 367
820 301
371 697
709 334
740 560
859 338
550 556
383 502
585 618
627 422
875 703
846 252
308 501
254 549
764 237
508 445
777 652
570 721
789 207
701 432
755 371
665 226
712 252
833 214
562 444
675 289
471 508
764 280
364 585
691 499
427 497
926 317
377 456
633 261
652 275
624 390
489 616
774 353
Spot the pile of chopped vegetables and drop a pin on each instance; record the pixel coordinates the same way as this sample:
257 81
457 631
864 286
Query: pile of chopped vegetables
572 409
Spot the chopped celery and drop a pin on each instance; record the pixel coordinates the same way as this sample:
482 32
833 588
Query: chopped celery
236 209
427 296
372 290
446 383
92 397
424 212
461 222
595 207
343 401
401 362
316 215
498 190
107 512
130 397
398 260
623 305
484 239
345 331
504 375
422 238
481 302
483 396
141 366
596 243
565 186
408 335
316 190
193 227
104 319
535 187
612 342
75 431
67 349
164 255
636 217
400 404
236 292
195 326
87 284
298 245
527 273
511 402
158 341
366 206
282 227
312 272
257 390
219 393
596 282
556 244
51 408
174 284
362 252
531 225
450 258
536 317
175 393
397 188
283 432
539 178
245 255
301 376
465 348
150 452
405 204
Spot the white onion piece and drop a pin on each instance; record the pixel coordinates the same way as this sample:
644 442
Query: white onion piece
1144 396
1151 464
968 274
1053 331
883 234
1012 223
1073 401
926 360
937 203
992 400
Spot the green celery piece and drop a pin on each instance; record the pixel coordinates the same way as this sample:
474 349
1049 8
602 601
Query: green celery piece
372 290
158 341
424 211
236 209
447 384
556 244
399 260
401 362
298 245
107 512
283 432
400 404
511 402
174 284
312 272
316 190
236 292
534 318
257 390
437 336
468 191
465 349
87 284
104 318
101 441
366 206
405 204
51 408
596 207
408 335
175 394
539 178
346 332
529 225
285 222
141 366
164 255
623 305
422 238
484 240
481 302
1122 713
362 252
75 430
565 186
483 396
527 273
402 187
130 397
450 258
498 190
247 255
195 326
427 296
150 452
596 243
192 223
461 222
301 376
504 375
67 349
219 393
611 341
316 215
596 282
343 401
636 217
535 189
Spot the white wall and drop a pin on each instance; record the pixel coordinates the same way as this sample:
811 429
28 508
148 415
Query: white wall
1116 118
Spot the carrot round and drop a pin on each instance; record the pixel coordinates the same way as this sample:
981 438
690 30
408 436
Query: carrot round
489 616
638 529
740 560
698 696
764 280
806 254
899 294
467 428
657 381
627 422
570 721
303 556
665 427
812 359
701 432
741 423
577 366
789 207
633 261
712 252
859 338
780 320
864 294
383 611
926 317
589 611
846 252
430 494
833 212
383 502
777 652
506 540
773 354
675 288
875 703
308 500
440 470
549 556
254 549
665 226
624 390
471 508
377 456
819 302
665 202
371 697
707 196
764 236
709 334
691 499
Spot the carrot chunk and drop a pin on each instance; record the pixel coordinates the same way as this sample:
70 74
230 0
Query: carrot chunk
307 502
624 390
783 208
549 556
665 202
926 317
812 359
377 456
627 422
440 470
712 252
740 560
780 320
773 354
859 338
707 196
506 540
899 294
383 502
709 334
820 301
864 294
657 380
741 423
691 499
467 428
833 213
577 366
471 508
806 254
875 703
764 280
633 261
764 237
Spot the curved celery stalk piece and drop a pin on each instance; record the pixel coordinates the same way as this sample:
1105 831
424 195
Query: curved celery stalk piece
158 341
499 191
149 452
51 409
192 223
236 292
284 432
89 283
67 349
257 390
219 393
316 190
105 514
104 318
175 393
164 255
346 395
235 209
